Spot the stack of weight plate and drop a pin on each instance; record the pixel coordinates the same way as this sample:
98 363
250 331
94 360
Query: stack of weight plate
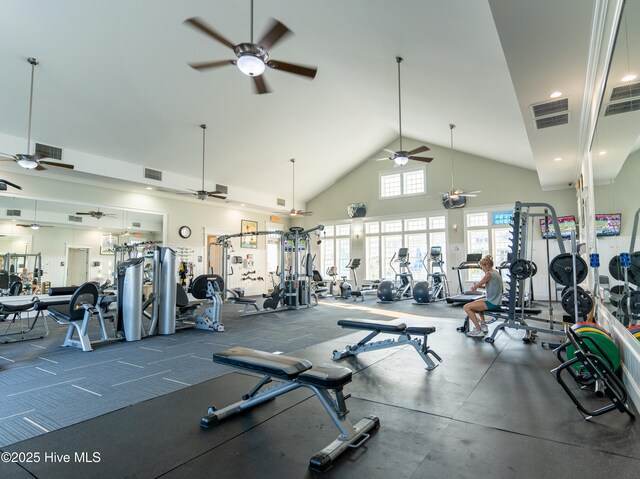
606 349
635 330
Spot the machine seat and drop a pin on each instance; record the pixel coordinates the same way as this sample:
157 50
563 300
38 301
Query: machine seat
394 326
424 330
74 310
262 362
326 376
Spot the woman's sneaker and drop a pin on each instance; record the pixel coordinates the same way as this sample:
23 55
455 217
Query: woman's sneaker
483 327
474 333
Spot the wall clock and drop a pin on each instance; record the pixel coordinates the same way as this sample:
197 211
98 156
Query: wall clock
184 232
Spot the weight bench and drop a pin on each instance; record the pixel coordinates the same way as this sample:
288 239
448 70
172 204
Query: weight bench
247 303
295 373
396 327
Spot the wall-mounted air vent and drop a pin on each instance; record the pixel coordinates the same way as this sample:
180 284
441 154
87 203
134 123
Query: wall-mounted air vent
550 107
281 202
49 151
552 121
153 174
14 212
136 224
75 219
222 189
624 92
622 107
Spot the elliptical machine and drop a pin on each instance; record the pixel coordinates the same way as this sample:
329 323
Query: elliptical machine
346 290
402 287
436 287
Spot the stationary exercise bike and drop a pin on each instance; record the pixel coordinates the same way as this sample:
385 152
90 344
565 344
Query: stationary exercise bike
402 287
346 290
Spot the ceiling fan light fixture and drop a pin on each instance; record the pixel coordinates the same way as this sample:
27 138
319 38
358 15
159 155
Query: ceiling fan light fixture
250 64
27 163
629 77
35 227
401 160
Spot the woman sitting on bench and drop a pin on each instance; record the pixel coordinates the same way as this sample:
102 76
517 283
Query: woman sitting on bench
493 281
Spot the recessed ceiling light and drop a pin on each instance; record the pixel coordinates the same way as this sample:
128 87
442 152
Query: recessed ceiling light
557 159
242 204
602 153
556 94
629 77
149 187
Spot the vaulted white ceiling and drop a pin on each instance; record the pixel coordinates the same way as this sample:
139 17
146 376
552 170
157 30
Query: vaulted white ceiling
114 91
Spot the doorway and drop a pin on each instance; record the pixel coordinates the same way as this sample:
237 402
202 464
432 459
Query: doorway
77 266
214 256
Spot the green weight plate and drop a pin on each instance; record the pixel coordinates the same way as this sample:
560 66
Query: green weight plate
605 343
561 269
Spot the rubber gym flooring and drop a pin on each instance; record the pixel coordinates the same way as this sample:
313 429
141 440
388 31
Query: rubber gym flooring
133 409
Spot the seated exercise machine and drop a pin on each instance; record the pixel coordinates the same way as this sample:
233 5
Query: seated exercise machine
464 297
395 327
293 373
346 290
77 314
209 288
402 286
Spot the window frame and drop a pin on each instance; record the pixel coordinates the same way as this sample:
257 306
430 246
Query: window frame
402 174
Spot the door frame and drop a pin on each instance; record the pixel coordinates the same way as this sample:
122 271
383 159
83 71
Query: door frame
66 259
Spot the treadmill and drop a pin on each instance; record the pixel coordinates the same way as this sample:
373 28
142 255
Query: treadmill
465 297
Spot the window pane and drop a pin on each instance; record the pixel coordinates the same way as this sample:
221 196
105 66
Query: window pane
417 244
437 223
390 246
477 219
343 230
328 231
392 226
372 251
390 185
372 228
413 182
500 245
415 224
328 256
478 242
342 256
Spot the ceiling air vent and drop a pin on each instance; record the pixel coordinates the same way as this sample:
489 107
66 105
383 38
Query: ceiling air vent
622 107
550 107
552 121
49 151
75 219
136 224
14 212
625 91
222 189
153 174
281 202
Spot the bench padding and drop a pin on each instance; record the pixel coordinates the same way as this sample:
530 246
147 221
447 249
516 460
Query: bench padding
420 330
504 309
244 300
326 376
263 362
394 326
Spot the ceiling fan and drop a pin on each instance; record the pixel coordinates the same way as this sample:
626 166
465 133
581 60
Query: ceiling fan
252 58
34 225
294 211
26 160
402 157
456 197
203 194
96 214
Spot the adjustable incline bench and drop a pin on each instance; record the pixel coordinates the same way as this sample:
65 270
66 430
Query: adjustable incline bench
396 327
295 373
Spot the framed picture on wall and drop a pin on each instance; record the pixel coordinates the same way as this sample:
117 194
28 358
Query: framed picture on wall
248 229
107 244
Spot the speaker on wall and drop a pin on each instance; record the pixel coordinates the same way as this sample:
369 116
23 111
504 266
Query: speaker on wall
356 210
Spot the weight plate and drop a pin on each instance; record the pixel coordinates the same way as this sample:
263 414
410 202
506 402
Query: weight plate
584 300
534 268
615 270
585 329
521 268
567 288
608 346
561 269
631 307
634 269
589 324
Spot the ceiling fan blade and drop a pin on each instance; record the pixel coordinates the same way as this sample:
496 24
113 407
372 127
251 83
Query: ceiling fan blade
420 149
260 84
382 159
7 182
212 194
85 214
472 195
200 25
207 65
60 165
39 167
8 156
276 33
473 192
305 213
291 68
424 159
389 151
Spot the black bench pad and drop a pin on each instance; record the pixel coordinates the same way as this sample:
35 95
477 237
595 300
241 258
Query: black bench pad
504 309
244 300
394 326
326 376
16 308
420 330
262 362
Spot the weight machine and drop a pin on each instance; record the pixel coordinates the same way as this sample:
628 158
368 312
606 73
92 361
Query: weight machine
12 264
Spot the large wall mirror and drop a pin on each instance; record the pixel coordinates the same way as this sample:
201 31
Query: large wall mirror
615 150
75 241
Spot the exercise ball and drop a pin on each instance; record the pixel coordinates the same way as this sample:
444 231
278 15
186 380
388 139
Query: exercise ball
386 290
421 292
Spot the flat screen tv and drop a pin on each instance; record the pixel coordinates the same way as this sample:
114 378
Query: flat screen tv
567 224
608 224
289 244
